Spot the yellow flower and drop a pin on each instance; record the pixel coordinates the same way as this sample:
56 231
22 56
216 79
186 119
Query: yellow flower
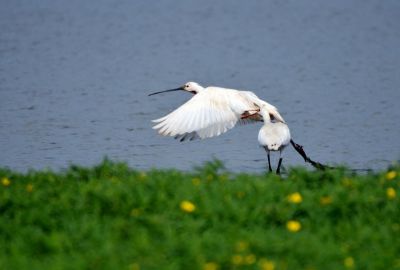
391 193
347 182
295 198
250 259
135 212
391 175
240 194
5 181
396 263
348 262
29 188
196 181
237 259
325 200
142 176
241 246
114 180
134 266
187 206
211 266
293 225
266 264
223 177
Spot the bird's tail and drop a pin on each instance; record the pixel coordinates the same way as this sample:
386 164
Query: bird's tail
300 150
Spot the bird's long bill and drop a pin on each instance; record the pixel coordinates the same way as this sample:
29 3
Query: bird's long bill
170 90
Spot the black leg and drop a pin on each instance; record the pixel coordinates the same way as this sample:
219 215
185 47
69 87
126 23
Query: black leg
278 170
269 163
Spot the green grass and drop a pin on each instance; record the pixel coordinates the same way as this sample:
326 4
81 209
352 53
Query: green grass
114 217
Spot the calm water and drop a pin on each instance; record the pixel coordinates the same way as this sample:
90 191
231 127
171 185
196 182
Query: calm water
74 79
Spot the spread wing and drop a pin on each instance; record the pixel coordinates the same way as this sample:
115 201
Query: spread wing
206 114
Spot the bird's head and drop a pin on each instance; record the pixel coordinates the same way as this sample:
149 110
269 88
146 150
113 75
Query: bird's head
191 87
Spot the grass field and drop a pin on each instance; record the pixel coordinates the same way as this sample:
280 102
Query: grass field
114 217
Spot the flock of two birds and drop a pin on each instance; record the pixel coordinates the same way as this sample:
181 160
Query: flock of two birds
214 110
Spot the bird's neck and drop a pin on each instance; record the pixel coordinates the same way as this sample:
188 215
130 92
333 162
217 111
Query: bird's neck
198 88
265 115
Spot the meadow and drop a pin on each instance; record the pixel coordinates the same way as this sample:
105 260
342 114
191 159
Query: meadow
111 216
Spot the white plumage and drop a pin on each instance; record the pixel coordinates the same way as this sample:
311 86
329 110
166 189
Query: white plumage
273 136
211 112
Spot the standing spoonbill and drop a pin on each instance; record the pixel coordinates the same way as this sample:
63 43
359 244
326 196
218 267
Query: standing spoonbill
212 111
273 136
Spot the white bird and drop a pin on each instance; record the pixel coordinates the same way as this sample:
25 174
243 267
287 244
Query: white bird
212 111
273 136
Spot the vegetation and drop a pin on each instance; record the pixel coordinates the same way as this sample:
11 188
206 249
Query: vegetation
114 217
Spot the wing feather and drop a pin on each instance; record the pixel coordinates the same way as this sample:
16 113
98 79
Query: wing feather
212 112
205 115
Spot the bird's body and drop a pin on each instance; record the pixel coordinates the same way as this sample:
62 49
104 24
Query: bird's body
273 136
212 111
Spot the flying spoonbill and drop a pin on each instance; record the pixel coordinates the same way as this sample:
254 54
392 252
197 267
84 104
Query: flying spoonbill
273 136
212 111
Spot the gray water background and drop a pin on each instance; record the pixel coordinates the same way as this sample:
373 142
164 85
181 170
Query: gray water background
75 75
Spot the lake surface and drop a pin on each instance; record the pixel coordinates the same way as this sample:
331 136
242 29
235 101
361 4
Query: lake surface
75 75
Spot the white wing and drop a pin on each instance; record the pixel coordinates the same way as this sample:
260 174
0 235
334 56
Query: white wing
272 110
207 114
